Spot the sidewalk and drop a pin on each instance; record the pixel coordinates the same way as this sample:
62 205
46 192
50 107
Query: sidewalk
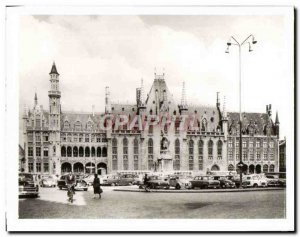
171 190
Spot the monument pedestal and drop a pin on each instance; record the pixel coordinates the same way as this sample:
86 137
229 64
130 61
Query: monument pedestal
165 162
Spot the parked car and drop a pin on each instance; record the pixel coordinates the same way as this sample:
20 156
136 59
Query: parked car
89 179
48 181
254 181
27 185
138 180
225 182
272 180
80 183
127 179
156 182
204 182
113 180
179 182
235 179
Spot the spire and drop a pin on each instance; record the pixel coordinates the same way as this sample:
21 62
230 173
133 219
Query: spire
142 93
218 101
276 119
53 69
107 100
35 99
183 95
224 108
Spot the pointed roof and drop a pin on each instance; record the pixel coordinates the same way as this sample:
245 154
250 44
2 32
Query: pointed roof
53 69
35 96
276 118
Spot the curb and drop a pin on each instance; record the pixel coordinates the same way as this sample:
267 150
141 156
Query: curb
200 191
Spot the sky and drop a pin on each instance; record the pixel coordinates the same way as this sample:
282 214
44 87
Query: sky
92 52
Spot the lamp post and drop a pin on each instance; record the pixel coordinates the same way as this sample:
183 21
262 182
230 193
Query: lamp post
250 40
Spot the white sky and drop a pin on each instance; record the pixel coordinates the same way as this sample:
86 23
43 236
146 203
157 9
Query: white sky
93 52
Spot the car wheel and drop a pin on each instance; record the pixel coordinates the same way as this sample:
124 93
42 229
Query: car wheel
255 185
177 186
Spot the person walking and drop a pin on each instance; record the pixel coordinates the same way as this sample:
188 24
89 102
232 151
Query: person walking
96 186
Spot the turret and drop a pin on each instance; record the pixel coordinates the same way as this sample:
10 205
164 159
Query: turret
141 98
35 100
183 107
54 119
224 121
277 125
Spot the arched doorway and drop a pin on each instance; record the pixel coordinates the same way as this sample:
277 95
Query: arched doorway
90 168
78 167
215 168
101 169
66 167
251 169
258 169
245 169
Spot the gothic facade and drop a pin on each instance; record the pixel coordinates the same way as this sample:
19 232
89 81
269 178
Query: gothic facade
132 137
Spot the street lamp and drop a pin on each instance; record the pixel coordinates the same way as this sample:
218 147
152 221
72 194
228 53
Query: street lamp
250 40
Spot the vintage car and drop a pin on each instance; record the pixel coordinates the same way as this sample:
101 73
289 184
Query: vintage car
204 182
80 184
27 185
225 182
113 180
156 182
235 179
272 180
179 182
48 181
254 181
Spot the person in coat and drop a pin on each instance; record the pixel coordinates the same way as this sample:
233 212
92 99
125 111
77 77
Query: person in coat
96 186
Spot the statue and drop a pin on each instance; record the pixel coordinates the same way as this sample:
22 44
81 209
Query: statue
164 144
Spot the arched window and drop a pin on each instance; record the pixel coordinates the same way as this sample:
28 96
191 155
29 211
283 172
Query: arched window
220 145
150 153
135 154
114 154
125 153
265 168
177 155
191 154
93 151
81 151
98 151
200 154
204 125
66 125
77 126
104 152
63 151
75 151
210 149
271 168
69 151
230 168
87 152
89 126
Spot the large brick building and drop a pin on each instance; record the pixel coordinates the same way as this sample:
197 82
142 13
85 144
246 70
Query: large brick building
152 135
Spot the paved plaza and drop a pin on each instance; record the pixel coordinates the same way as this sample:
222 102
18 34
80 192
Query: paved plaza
53 203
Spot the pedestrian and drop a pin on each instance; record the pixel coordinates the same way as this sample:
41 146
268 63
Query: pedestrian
96 186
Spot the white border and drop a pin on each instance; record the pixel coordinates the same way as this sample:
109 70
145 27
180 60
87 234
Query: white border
15 224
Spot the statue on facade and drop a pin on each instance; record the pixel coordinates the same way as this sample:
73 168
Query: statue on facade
164 144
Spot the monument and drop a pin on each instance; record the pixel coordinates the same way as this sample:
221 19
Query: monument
165 160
